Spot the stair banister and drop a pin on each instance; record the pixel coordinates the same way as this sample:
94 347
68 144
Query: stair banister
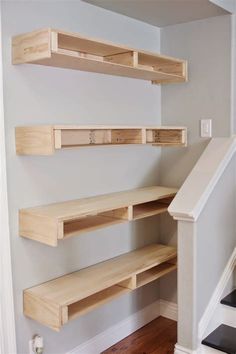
205 209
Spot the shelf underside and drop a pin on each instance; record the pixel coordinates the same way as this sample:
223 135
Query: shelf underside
50 223
69 60
58 301
45 140
69 50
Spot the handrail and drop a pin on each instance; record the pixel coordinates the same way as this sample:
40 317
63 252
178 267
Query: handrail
197 188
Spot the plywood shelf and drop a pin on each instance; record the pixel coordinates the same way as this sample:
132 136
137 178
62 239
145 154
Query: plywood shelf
58 301
57 48
50 223
45 140
146 209
155 273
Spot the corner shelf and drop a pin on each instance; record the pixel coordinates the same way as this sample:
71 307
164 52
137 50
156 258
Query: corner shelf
45 140
50 223
57 48
59 301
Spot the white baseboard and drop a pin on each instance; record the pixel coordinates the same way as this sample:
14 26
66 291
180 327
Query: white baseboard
181 350
126 327
169 310
217 295
207 350
201 350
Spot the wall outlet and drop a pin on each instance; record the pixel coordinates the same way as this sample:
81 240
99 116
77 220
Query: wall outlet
206 128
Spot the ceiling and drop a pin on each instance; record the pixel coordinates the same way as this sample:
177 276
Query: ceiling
162 13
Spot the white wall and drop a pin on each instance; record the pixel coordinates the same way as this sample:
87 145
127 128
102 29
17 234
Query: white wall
41 95
205 247
228 5
206 44
216 237
233 67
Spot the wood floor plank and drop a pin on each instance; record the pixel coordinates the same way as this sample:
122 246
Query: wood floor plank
157 337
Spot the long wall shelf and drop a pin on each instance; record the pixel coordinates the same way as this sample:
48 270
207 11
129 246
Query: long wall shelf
57 48
59 301
45 140
50 223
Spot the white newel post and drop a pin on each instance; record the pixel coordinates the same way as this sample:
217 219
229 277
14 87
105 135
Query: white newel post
187 278
191 200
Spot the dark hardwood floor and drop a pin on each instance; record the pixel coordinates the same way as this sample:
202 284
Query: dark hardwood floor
157 337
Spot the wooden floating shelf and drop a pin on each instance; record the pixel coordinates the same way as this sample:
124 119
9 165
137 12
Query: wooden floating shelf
59 301
57 48
45 140
50 223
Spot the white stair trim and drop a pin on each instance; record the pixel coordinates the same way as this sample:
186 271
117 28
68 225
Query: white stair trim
228 315
119 331
207 350
203 349
204 176
217 295
182 350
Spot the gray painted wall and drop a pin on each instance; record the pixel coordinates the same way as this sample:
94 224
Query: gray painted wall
216 237
234 72
204 249
206 44
228 5
41 95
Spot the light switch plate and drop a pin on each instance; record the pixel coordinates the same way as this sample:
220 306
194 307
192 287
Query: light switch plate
206 128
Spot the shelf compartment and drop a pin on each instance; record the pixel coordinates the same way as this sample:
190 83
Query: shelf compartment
162 64
79 137
167 137
57 48
155 273
144 210
129 136
45 140
83 137
92 302
50 223
60 300
94 222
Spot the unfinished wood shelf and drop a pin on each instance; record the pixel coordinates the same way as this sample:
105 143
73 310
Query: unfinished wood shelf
70 50
50 223
59 301
45 140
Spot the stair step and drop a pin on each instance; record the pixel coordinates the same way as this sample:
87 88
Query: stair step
230 299
222 338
